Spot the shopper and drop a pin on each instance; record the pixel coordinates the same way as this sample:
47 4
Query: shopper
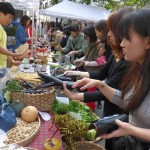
7 13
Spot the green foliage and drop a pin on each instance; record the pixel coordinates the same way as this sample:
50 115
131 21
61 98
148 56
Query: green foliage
85 112
115 4
11 31
112 4
13 86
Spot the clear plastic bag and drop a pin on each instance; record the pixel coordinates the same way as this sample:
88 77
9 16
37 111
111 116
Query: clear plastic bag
15 147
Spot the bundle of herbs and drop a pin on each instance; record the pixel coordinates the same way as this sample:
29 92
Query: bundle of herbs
71 130
79 109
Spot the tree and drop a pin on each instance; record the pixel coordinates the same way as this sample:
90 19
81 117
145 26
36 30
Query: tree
109 4
114 4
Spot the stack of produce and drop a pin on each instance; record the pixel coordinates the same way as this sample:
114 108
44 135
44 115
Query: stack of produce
26 124
73 120
30 93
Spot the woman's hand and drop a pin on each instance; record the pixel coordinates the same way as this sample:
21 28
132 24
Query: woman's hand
73 53
69 94
58 48
87 83
79 63
123 130
18 55
16 63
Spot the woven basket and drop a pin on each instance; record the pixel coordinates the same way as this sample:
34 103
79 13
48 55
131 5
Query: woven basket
42 101
31 137
85 145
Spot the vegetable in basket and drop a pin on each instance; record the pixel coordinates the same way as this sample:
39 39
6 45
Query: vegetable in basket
84 111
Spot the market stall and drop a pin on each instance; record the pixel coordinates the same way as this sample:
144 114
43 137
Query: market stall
43 115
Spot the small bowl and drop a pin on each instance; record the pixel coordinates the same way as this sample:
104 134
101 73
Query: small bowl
55 144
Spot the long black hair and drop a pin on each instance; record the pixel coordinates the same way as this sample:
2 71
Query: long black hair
90 31
101 26
138 77
24 19
74 28
114 24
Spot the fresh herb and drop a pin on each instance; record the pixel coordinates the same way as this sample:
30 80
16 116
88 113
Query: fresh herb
85 112
71 130
59 108
13 86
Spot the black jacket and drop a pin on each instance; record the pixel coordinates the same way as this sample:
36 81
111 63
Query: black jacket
112 72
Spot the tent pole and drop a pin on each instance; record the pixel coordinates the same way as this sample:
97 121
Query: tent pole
33 4
37 25
40 23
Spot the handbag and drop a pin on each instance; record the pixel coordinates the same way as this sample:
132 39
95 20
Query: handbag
7 115
130 143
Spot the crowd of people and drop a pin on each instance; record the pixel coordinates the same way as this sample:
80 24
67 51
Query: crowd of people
113 58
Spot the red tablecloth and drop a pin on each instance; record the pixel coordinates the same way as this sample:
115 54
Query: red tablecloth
44 134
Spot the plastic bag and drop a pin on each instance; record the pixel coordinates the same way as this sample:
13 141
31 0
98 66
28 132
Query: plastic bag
15 147
7 115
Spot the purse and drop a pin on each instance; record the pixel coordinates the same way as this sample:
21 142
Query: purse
130 143
7 115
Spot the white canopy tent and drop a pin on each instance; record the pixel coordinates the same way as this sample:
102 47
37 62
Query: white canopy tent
68 9
25 5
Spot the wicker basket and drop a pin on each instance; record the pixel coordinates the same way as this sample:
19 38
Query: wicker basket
31 137
42 101
85 145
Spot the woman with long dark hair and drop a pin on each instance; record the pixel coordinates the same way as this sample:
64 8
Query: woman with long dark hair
91 52
21 36
112 72
134 96
100 33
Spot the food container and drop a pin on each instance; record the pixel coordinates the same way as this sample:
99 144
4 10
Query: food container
23 139
42 101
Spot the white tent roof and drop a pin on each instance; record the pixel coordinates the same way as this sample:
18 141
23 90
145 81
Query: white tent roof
68 9
25 5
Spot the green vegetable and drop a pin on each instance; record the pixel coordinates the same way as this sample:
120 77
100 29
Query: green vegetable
84 111
59 108
7 95
90 135
71 130
13 86
17 106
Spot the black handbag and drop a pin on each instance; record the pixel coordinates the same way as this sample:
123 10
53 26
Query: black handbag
130 143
